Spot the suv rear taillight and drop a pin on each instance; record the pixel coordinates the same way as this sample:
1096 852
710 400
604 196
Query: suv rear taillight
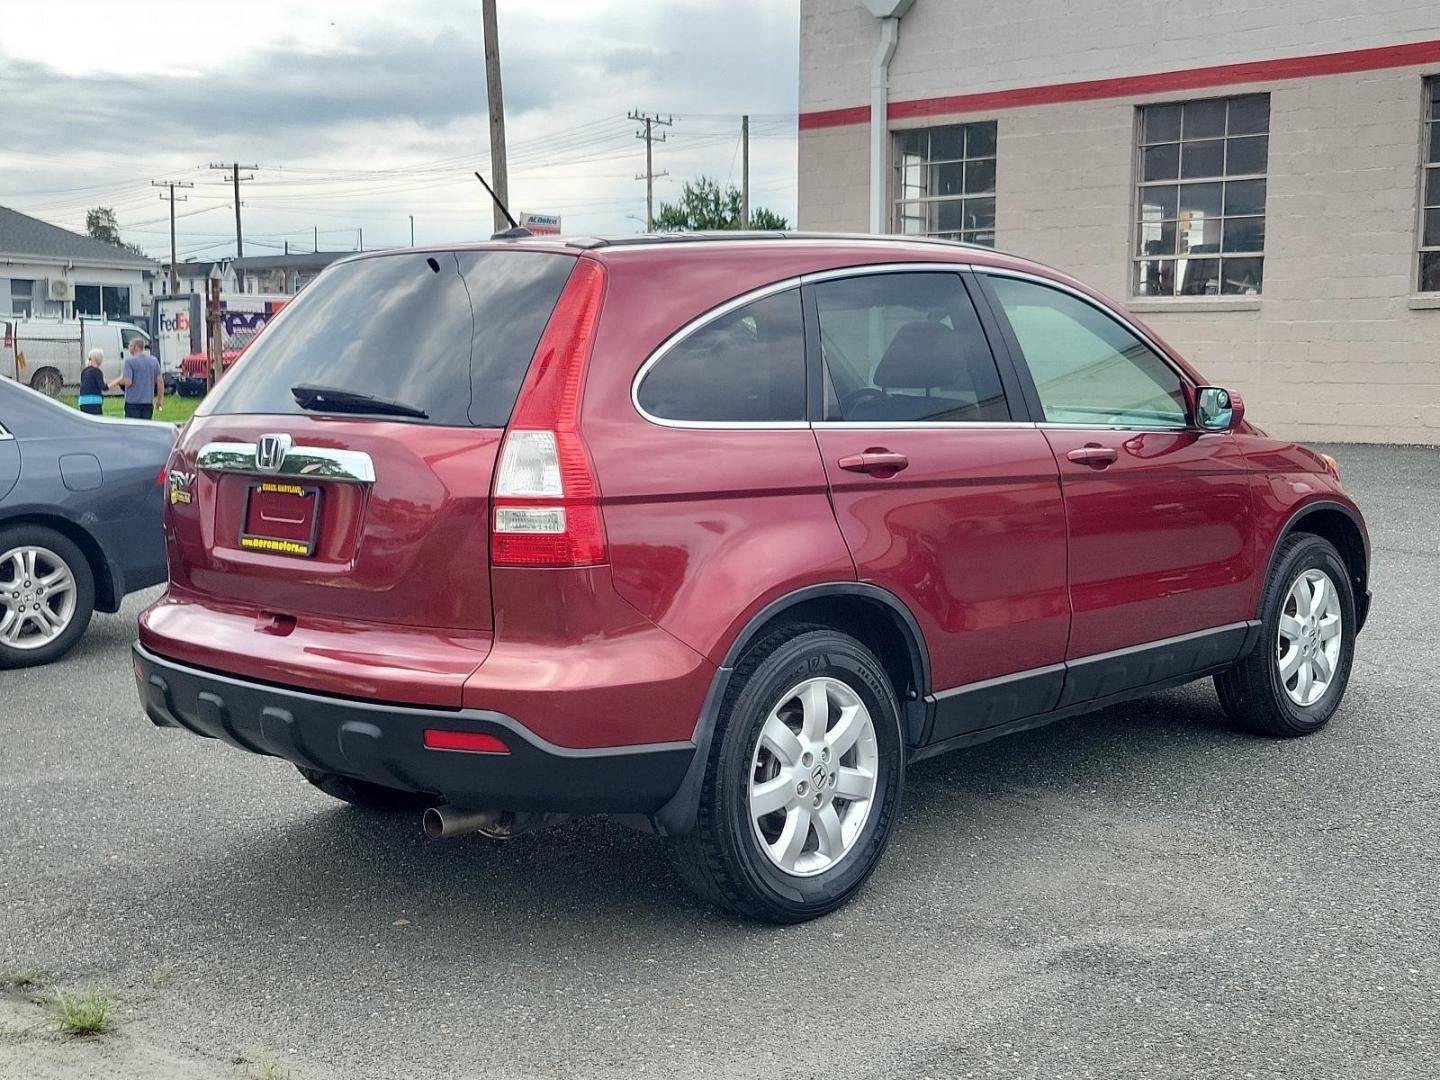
547 504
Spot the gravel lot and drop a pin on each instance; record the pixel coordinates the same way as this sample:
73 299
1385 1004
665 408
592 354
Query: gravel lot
1142 893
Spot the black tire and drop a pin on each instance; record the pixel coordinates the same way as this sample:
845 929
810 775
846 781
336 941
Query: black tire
721 858
364 794
1252 693
48 381
67 551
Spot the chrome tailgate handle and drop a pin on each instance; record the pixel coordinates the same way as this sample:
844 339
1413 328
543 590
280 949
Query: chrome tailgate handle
312 462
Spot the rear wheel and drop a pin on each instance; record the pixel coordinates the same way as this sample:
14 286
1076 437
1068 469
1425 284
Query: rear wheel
364 794
803 780
48 381
1293 680
47 595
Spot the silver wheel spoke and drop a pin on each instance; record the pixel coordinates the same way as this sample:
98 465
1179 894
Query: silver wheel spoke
1320 664
772 795
10 626
1318 599
780 741
1290 628
1302 683
816 702
1301 596
792 837
1329 627
847 729
27 564
55 579
828 833
50 620
854 784
1290 664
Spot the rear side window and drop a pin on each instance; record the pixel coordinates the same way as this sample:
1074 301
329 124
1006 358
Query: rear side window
747 366
450 333
906 348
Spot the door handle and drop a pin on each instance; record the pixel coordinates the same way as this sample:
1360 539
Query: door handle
1094 455
876 461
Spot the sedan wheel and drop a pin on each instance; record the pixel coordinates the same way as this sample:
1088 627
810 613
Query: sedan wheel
47 594
37 597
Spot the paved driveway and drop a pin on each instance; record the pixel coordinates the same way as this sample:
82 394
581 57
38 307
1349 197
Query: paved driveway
1142 893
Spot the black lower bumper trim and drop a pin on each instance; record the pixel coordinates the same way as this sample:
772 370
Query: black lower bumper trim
384 744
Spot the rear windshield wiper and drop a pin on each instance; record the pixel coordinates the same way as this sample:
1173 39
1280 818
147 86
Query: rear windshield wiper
330 399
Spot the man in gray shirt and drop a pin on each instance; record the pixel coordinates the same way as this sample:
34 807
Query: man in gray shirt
143 383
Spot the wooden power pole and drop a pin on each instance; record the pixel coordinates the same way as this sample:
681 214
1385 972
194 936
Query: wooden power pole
235 178
649 175
499 173
171 198
744 172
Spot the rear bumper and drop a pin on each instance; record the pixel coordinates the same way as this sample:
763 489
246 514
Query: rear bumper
384 744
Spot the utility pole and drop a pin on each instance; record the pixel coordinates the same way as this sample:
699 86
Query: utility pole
499 173
315 242
412 230
235 178
360 237
744 172
171 197
649 175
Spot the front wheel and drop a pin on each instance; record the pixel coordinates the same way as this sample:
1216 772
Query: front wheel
48 381
803 780
1293 680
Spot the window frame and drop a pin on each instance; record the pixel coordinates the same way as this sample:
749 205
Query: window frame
895 183
1022 367
1429 116
1138 184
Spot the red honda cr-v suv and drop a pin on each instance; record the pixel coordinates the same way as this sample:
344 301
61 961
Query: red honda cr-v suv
716 535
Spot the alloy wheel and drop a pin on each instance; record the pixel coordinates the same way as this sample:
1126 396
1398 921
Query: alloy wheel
1309 638
813 777
37 597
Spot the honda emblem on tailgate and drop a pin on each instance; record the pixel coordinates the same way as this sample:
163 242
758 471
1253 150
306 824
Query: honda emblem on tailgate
270 452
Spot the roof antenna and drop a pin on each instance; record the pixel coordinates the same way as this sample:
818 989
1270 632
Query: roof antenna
515 232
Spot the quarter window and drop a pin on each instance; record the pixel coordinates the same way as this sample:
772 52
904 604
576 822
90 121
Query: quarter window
747 366
905 348
1200 201
945 182
1088 369
1430 191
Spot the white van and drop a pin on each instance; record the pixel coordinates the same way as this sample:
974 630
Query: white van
48 354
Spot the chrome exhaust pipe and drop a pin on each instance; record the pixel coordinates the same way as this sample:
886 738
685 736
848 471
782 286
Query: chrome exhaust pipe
443 822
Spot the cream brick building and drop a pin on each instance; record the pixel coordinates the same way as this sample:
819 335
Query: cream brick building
1303 284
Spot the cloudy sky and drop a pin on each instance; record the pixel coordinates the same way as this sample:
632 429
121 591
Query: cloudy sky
361 112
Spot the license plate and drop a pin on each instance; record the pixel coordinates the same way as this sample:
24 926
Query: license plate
281 518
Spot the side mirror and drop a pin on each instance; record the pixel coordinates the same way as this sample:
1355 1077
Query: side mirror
1217 409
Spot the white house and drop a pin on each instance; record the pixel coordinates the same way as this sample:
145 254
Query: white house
47 270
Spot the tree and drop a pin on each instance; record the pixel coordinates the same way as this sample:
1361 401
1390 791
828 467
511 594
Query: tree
102 224
704 206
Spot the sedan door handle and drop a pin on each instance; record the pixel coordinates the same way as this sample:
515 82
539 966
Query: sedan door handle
1094 455
876 462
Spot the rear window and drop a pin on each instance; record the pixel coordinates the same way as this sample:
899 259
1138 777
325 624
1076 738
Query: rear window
448 332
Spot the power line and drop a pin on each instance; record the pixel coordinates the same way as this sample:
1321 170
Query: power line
650 122
235 178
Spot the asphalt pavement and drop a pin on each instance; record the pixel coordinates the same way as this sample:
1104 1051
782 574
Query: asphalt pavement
1139 893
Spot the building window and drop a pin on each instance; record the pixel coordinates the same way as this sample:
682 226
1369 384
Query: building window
945 182
22 296
111 301
1201 197
1430 191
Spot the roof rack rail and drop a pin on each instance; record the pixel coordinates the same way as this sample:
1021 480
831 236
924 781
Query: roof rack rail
642 239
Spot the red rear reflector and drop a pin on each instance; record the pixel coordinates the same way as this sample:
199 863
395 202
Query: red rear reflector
473 741
160 477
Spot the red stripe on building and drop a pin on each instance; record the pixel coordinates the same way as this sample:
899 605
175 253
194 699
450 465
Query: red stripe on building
1294 67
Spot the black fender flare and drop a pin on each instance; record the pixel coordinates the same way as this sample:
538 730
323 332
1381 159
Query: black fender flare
677 816
1362 598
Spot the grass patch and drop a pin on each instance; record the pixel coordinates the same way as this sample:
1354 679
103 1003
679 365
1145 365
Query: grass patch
81 1014
177 409
269 1071
20 978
